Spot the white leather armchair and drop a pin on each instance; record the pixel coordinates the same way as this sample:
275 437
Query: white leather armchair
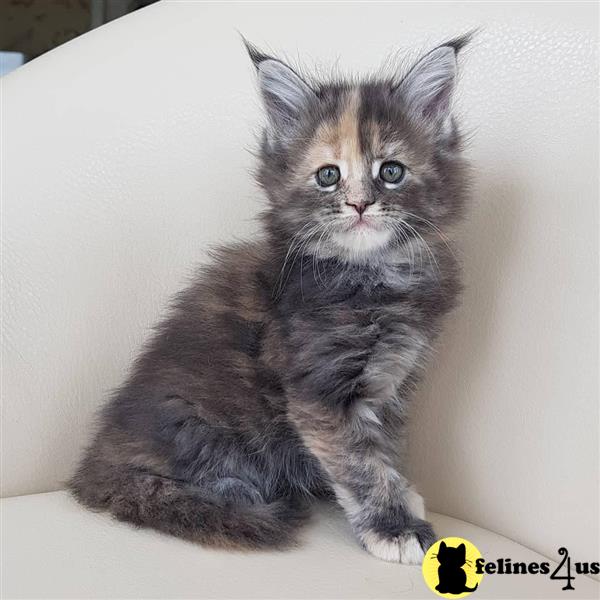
113 149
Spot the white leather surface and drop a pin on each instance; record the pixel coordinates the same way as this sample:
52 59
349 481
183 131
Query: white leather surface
55 549
115 148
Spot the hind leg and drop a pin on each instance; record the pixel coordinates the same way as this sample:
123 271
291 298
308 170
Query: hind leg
226 512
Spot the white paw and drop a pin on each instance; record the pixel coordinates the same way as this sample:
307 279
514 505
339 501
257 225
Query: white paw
405 549
415 503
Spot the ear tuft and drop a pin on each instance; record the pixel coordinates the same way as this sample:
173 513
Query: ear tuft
461 41
256 56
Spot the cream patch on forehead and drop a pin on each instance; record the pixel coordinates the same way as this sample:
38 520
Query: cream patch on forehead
349 133
338 142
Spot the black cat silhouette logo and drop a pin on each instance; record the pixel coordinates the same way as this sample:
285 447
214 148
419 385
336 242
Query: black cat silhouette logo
449 568
453 579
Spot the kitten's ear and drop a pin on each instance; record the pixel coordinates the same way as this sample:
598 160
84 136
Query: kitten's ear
284 93
443 546
428 87
462 549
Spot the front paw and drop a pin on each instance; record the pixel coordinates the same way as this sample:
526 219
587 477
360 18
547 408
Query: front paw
407 546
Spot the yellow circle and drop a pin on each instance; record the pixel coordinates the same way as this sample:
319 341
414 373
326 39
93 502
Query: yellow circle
449 568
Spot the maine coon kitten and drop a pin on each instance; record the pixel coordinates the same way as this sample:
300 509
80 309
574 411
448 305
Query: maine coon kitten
285 370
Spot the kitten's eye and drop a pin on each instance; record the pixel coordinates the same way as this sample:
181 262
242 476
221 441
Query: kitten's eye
328 176
392 172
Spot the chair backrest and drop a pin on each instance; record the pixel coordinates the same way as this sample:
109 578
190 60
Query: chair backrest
115 149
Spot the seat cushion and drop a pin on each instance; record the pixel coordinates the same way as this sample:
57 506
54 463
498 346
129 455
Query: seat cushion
53 548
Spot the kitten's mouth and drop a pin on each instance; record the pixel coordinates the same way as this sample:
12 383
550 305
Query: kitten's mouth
362 223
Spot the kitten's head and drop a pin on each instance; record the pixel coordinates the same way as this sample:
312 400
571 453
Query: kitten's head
356 169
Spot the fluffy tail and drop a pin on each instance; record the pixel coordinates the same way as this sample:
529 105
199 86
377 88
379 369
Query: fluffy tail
180 509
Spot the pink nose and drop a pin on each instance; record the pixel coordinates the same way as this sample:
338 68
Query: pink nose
359 207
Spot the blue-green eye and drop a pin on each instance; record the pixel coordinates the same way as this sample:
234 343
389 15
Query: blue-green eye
328 176
392 172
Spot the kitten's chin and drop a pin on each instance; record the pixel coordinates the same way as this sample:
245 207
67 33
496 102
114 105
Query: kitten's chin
360 244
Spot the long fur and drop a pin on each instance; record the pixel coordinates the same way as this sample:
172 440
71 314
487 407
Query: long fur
284 371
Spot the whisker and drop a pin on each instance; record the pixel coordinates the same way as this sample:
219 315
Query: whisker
295 244
406 241
426 245
435 228
315 255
